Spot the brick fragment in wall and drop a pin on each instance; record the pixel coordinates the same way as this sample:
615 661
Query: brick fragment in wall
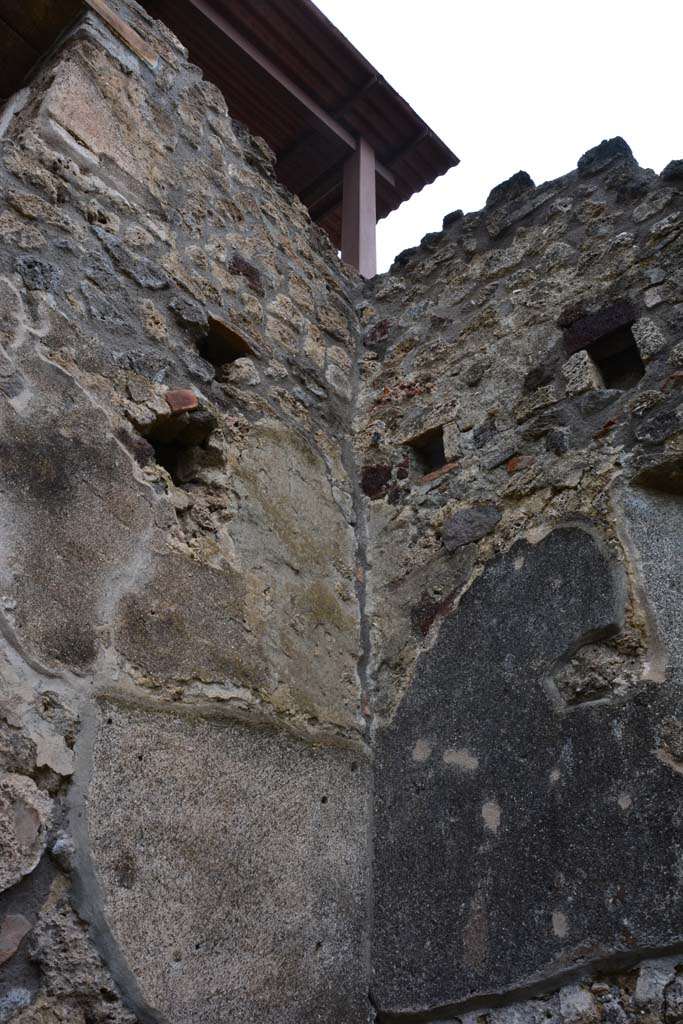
182 400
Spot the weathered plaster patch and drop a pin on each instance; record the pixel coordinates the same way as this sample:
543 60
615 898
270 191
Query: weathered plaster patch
422 750
461 759
560 924
491 813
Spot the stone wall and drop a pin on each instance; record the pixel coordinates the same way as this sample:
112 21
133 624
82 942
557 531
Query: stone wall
521 436
339 622
182 732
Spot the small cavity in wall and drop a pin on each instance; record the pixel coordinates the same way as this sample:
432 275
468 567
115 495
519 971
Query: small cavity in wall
617 358
428 449
608 339
181 440
221 345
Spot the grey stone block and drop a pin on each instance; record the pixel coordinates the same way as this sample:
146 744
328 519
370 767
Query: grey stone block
469 525
233 862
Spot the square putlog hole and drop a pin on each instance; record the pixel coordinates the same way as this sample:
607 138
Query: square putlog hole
617 358
221 344
608 339
428 449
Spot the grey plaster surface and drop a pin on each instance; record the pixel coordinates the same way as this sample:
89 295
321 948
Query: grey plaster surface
232 862
516 839
655 523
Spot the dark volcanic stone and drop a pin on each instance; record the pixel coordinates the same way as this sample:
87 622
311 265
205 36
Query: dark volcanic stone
189 314
658 427
405 256
474 374
375 480
499 457
452 218
537 377
513 188
430 241
557 441
593 402
140 269
97 267
628 180
482 435
37 275
585 330
468 525
512 837
673 171
601 156
242 268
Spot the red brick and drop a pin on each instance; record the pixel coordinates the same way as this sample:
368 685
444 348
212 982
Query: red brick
605 428
182 400
518 462
439 472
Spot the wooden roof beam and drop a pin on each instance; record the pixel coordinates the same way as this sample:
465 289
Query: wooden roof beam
300 147
320 190
326 121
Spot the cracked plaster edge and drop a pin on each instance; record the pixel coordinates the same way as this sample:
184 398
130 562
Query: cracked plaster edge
657 658
87 896
532 536
546 983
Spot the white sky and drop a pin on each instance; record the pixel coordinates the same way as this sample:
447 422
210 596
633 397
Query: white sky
515 85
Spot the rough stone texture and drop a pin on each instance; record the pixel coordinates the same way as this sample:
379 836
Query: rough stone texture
24 821
580 374
155 551
177 526
654 520
508 717
228 572
469 525
256 908
12 930
649 338
76 986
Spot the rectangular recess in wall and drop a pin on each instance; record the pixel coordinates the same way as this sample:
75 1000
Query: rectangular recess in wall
608 339
428 449
617 358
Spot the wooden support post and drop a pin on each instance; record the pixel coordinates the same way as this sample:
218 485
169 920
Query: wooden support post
359 211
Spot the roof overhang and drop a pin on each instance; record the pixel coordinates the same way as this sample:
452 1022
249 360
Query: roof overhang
291 77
